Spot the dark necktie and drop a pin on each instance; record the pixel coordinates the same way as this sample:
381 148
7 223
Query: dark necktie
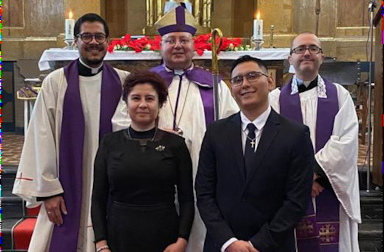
249 147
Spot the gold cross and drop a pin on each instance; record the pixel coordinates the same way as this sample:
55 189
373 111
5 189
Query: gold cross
253 142
305 228
327 233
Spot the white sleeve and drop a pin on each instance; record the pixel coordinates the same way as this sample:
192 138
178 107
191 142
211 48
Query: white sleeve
338 158
274 99
228 106
37 174
121 119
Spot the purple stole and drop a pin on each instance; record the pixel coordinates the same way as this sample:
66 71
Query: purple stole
317 232
65 237
204 81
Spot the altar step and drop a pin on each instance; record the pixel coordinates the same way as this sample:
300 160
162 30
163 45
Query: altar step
13 211
16 219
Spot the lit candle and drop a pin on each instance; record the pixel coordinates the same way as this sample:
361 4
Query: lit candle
69 26
258 27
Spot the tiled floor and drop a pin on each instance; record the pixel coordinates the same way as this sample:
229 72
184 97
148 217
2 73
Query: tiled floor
13 144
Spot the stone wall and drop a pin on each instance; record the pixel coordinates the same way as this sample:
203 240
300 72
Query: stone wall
32 26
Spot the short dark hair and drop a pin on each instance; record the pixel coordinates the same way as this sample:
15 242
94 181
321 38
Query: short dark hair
144 77
90 17
247 58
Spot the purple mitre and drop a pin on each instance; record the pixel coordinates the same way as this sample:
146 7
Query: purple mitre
177 20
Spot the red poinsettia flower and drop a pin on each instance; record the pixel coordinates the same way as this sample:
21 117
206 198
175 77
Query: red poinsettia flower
201 43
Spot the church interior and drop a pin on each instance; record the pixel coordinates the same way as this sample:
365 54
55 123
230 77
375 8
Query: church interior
35 42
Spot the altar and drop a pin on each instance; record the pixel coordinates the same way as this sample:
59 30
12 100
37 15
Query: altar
55 58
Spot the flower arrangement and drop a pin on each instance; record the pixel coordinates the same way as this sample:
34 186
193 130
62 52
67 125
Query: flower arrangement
201 43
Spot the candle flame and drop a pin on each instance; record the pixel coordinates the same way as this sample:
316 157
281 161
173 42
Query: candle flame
70 14
258 15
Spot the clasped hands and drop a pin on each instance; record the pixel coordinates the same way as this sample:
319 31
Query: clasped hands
316 187
241 246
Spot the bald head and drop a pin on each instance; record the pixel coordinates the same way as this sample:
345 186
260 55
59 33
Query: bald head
311 35
306 56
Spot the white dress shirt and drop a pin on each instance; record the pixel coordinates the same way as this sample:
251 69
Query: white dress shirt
259 122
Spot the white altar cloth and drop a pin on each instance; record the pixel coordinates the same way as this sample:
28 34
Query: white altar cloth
58 54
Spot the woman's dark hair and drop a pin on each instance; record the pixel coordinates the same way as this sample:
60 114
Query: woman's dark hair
146 77
90 17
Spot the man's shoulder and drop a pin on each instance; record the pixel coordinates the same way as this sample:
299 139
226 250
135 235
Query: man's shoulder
55 74
290 125
121 72
224 121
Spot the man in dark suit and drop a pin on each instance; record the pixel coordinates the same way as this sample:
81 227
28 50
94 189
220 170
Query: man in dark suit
255 170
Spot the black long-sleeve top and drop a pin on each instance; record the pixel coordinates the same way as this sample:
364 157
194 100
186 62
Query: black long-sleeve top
131 173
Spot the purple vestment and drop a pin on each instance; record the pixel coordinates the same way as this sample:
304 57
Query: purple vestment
203 79
65 237
317 232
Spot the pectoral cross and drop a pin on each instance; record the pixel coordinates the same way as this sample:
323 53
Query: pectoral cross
253 142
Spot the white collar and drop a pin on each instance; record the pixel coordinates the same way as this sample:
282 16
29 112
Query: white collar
94 70
178 71
259 122
321 88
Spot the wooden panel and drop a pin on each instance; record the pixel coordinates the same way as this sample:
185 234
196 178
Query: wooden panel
13 13
136 18
116 16
243 18
17 10
352 13
5 13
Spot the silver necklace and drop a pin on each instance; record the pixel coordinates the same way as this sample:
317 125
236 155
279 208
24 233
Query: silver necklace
153 138
253 141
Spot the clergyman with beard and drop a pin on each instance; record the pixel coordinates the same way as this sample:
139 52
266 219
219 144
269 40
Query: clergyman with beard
72 112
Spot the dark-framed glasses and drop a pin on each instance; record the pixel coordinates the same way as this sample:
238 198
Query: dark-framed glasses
312 49
251 77
87 37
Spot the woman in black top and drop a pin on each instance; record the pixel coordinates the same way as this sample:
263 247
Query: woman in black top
136 173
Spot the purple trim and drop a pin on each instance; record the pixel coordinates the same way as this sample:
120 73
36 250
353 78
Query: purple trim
291 108
70 163
204 81
71 149
327 204
207 98
326 112
180 15
177 104
111 91
177 28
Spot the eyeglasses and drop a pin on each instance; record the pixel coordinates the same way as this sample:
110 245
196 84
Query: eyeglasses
87 37
312 49
251 78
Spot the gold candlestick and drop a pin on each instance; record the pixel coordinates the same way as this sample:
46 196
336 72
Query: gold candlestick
271 36
209 7
148 13
151 16
159 9
197 10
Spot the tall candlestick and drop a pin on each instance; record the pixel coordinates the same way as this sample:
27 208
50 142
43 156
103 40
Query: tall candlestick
69 27
197 10
258 28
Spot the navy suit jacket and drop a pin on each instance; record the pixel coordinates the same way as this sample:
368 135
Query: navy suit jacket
264 207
